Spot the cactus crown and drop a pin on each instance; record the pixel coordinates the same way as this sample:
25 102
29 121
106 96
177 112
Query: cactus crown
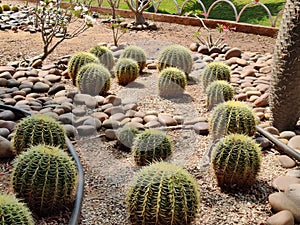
77 61
45 177
15 8
126 136
217 92
151 145
171 82
104 55
38 129
136 53
14 212
236 160
93 79
232 117
126 70
161 194
5 7
215 71
175 56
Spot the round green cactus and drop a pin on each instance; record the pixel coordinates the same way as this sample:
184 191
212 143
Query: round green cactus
15 8
126 71
126 136
104 55
5 7
175 56
1 10
217 92
232 117
38 129
171 82
78 60
14 212
45 177
215 71
236 160
93 79
151 145
136 53
162 194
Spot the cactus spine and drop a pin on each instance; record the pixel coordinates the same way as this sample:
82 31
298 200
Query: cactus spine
14 212
215 71
136 53
236 160
45 177
126 71
151 145
232 117
162 194
38 129
93 79
171 82
217 92
126 136
77 61
104 55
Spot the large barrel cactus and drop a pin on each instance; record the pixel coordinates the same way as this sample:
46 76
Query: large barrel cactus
126 71
104 55
217 92
93 79
38 129
151 145
236 160
45 177
14 212
77 61
136 53
171 82
232 117
175 56
215 71
126 136
163 194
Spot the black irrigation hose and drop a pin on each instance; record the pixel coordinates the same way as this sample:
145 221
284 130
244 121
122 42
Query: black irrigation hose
74 220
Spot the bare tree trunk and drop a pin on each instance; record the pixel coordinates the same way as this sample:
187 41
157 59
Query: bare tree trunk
285 82
139 18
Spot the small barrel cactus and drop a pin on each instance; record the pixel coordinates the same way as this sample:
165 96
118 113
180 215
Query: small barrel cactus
126 136
15 8
104 55
5 7
126 71
175 56
45 177
215 71
162 194
136 53
93 79
38 129
171 82
78 60
151 145
217 92
14 212
232 117
236 160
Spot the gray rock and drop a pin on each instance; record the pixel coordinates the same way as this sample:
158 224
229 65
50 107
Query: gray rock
233 52
56 88
111 124
203 49
201 128
286 161
79 111
167 120
93 122
263 142
283 217
71 131
282 183
100 116
113 100
86 130
67 118
118 117
294 142
7 115
293 192
5 148
110 134
4 132
40 87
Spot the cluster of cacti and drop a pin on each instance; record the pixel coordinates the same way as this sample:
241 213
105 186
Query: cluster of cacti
126 136
38 129
175 56
232 117
217 92
78 60
93 79
171 82
136 53
45 177
215 71
104 55
14 212
15 8
151 145
126 71
162 194
236 160
5 7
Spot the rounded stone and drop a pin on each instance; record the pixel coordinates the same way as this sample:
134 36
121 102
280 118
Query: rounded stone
294 173
293 192
4 132
93 122
7 115
110 134
272 130
287 134
67 118
111 124
100 116
167 120
40 87
233 52
282 183
286 161
5 148
86 130
71 131
294 142
201 128
283 217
